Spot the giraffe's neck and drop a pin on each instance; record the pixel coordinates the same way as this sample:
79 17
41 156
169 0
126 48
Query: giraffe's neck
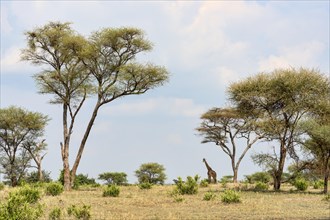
207 165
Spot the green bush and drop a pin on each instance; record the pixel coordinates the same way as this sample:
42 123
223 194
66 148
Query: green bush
111 190
189 187
54 189
145 185
82 212
301 184
55 214
204 183
259 186
263 177
22 204
230 196
30 195
209 196
318 184
2 186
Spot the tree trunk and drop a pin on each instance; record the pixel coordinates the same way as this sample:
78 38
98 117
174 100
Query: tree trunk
279 171
83 142
40 176
326 176
235 175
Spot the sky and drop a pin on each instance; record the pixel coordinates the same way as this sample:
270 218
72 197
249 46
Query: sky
205 45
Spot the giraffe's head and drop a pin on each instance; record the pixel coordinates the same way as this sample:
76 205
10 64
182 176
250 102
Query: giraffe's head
204 160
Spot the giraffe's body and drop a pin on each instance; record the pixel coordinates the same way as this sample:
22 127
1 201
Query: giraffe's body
210 173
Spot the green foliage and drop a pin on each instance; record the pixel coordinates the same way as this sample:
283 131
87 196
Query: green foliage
204 183
22 204
301 184
190 186
80 212
153 173
111 190
20 131
32 177
230 196
80 180
226 179
260 186
318 184
2 186
55 214
114 178
263 177
54 189
145 185
209 196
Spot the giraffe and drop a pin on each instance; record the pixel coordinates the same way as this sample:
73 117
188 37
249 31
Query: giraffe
210 173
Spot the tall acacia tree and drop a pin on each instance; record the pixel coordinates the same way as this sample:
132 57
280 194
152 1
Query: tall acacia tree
280 100
19 128
103 66
224 126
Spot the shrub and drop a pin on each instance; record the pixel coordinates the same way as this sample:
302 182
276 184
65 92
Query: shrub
230 196
55 214
259 186
209 196
79 180
226 179
114 178
33 177
22 204
30 195
83 212
2 186
111 190
263 177
188 187
145 185
301 184
204 183
318 184
54 189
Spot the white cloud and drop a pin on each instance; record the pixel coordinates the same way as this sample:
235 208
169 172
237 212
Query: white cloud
165 106
225 75
296 56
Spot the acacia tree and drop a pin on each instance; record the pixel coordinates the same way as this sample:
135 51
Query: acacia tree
36 151
280 100
102 66
223 126
318 144
153 173
18 128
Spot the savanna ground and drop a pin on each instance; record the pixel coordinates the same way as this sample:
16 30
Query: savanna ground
159 203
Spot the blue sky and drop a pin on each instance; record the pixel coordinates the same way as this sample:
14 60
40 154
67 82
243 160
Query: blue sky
205 45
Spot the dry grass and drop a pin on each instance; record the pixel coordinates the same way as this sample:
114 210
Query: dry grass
158 203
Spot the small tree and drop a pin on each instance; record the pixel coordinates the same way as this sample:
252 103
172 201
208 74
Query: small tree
318 145
223 127
151 173
114 178
18 128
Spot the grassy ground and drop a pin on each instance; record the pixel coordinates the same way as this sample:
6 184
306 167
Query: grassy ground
159 203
